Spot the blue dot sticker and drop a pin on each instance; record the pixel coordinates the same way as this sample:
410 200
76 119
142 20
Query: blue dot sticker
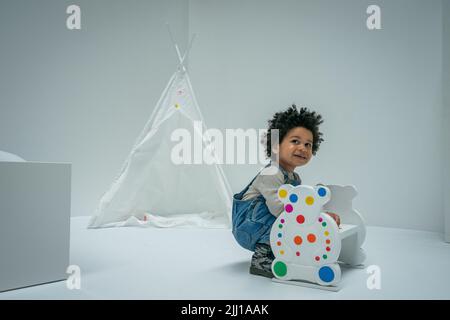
326 274
322 192
293 197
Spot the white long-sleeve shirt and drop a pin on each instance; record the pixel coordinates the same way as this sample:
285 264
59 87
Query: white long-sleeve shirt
267 185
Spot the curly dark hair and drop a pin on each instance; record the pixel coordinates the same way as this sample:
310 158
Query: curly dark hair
291 118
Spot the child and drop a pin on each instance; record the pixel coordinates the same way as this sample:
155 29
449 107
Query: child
257 206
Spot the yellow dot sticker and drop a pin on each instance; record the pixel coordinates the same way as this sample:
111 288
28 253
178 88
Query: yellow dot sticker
282 193
177 105
326 233
309 200
281 251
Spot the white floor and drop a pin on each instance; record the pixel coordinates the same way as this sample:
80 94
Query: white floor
148 263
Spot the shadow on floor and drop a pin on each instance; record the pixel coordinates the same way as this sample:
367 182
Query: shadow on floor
241 267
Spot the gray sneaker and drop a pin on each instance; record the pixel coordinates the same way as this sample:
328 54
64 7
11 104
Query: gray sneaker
261 264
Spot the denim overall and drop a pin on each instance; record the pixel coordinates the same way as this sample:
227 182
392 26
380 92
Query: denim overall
251 219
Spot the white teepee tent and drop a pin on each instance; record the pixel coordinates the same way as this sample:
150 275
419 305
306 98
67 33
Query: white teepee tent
153 191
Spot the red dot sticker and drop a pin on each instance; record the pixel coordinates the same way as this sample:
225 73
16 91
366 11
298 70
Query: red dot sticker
317 258
300 219
298 254
328 249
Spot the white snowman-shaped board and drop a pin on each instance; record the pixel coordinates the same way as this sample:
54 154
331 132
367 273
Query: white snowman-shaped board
304 240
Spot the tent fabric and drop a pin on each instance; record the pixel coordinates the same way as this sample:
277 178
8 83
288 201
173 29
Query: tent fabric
151 190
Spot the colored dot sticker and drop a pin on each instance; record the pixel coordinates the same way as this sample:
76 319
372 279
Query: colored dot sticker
278 243
328 241
317 258
280 235
322 192
328 248
288 208
297 254
326 233
324 224
282 193
320 219
281 251
282 220
325 256
298 240
300 219
326 274
309 200
280 269
311 238
293 198
280 226
177 106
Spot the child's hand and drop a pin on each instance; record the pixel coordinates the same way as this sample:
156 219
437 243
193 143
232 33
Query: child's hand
335 217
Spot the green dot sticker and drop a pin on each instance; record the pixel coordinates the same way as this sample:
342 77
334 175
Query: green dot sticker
280 269
280 226
324 224
325 256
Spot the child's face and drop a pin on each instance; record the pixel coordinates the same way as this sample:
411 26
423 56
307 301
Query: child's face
296 148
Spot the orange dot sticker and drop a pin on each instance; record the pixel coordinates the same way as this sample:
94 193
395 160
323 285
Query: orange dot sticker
298 240
311 238
309 201
282 193
278 243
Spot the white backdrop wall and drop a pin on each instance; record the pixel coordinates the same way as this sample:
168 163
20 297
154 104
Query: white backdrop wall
83 96
446 117
379 92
